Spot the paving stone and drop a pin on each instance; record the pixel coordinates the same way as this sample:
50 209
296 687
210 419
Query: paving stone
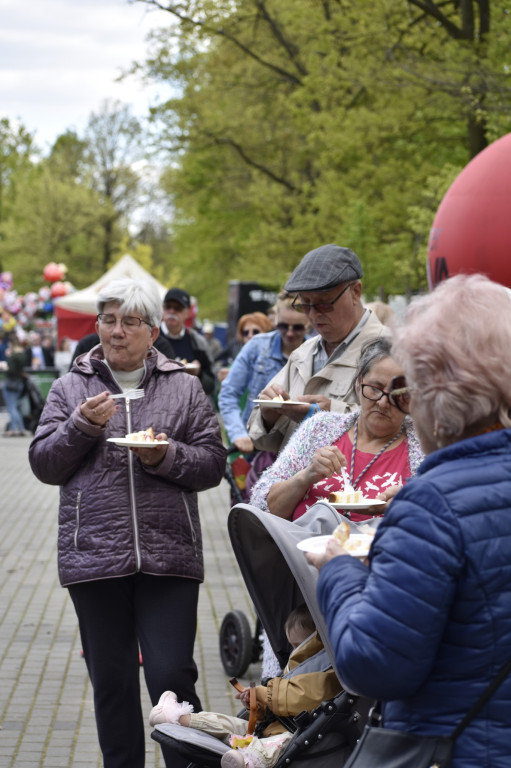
46 710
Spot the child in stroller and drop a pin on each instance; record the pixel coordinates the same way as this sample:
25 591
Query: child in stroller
279 579
281 697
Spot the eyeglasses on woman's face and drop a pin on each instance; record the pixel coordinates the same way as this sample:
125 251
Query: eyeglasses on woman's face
246 332
401 393
292 327
129 323
398 394
323 307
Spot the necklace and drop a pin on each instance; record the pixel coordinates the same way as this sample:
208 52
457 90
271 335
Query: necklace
354 483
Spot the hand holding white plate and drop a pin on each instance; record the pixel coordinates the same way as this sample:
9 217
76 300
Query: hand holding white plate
279 403
125 441
358 544
359 505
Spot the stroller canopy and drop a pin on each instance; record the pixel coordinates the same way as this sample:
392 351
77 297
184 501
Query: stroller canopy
276 573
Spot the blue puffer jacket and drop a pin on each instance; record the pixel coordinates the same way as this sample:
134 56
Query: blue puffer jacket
428 626
255 365
118 516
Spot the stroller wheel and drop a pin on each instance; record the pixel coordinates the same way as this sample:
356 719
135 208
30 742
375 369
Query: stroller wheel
235 643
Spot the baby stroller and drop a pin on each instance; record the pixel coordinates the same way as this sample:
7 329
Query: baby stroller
238 646
278 579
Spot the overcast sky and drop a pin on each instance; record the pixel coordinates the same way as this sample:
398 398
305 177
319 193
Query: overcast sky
59 60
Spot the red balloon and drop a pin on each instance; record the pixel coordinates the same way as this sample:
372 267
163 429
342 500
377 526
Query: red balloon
471 231
53 272
58 289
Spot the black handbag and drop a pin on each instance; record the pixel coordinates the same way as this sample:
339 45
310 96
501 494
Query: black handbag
383 748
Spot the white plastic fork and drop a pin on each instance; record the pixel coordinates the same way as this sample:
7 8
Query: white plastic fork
347 483
130 394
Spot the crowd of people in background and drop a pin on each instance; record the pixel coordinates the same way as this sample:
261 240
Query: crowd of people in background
415 415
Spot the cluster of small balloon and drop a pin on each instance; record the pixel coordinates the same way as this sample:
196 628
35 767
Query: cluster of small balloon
19 311
55 273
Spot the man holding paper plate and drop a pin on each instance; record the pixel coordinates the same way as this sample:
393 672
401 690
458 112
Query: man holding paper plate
319 373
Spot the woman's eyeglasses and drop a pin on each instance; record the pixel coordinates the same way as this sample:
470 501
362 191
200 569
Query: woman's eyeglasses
295 327
128 322
250 332
398 394
323 307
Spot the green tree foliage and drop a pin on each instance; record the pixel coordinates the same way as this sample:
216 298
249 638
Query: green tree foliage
113 146
67 157
73 206
16 148
54 219
310 121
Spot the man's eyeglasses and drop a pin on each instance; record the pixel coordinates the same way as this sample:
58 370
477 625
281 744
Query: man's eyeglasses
398 394
295 327
322 307
128 322
250 332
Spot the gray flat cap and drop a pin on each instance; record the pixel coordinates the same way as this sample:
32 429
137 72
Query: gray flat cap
323 268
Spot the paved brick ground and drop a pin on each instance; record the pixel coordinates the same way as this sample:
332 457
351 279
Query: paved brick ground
46 712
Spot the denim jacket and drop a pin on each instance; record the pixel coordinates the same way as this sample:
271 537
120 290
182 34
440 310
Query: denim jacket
254 366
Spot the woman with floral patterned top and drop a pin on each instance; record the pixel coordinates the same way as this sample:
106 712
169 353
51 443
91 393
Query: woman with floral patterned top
375 447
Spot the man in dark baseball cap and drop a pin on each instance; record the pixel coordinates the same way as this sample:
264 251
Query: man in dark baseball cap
177 294
188 345
327 289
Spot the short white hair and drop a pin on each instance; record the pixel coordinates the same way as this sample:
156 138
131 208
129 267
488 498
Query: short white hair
132 296
454 346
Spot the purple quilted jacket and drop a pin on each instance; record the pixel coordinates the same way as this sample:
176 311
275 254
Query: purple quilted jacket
117 516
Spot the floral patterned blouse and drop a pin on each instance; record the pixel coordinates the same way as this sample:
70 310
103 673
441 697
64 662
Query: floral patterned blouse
393 467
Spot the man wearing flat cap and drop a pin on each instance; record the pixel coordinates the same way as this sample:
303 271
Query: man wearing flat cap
188 345
320 372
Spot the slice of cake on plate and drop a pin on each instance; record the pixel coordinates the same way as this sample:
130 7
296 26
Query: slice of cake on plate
346 497
144 436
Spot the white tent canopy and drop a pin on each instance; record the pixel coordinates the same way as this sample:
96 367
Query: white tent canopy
84 302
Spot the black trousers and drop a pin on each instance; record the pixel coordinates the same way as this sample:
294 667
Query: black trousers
115 616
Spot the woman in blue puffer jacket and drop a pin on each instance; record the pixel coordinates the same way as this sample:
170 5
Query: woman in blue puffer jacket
427 625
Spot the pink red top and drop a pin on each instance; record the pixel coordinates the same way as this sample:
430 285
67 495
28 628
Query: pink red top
391 468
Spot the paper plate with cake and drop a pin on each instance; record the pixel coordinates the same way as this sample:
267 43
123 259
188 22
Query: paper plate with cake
357 544
353 500
278 402
143 439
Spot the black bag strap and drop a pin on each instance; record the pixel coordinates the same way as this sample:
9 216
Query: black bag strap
486 696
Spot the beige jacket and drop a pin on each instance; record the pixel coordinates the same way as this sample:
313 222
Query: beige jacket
334 381
289 696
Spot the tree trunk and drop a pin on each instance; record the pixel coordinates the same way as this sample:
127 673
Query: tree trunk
477 135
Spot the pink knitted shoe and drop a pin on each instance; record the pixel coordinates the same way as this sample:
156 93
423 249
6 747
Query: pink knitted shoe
169 709
232 759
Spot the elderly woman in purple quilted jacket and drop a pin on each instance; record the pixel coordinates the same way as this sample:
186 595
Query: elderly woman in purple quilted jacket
130 548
